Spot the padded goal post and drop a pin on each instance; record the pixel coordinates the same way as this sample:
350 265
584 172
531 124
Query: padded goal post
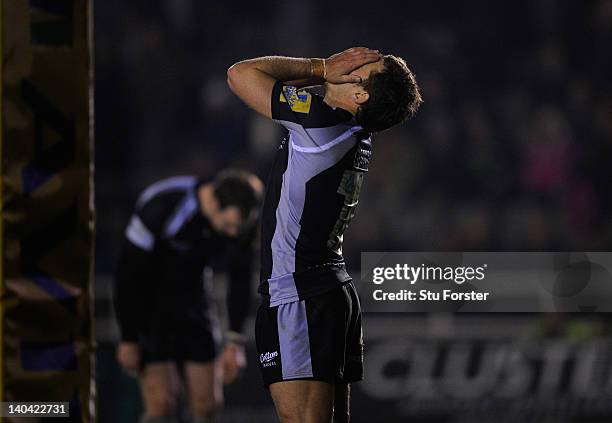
46 203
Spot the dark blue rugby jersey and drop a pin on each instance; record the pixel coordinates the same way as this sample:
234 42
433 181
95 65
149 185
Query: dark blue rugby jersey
311 195
168 243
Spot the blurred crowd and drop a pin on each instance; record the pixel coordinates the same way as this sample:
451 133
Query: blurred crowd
510 150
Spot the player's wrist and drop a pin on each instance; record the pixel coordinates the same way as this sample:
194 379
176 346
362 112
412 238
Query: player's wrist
317 68
233 337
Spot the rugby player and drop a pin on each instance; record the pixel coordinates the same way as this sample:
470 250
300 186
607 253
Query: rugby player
163 297
308 327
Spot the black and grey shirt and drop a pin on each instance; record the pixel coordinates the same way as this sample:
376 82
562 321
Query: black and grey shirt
311 196
160 283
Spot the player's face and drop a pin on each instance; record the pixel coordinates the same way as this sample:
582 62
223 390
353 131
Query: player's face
227 221
355 91
365 70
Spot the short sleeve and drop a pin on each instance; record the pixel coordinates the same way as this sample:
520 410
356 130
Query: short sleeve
139 234
288 101
145 223
298 109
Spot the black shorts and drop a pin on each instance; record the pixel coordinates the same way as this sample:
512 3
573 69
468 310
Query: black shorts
194 341
319 338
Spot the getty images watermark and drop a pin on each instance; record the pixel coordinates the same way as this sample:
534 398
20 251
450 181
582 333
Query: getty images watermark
412 274
486 282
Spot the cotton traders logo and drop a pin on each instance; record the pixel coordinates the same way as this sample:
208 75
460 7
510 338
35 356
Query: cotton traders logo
267 359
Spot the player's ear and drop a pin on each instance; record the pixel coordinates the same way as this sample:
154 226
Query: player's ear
361 96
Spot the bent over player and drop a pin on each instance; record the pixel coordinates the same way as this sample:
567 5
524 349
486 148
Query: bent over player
163 297
308 328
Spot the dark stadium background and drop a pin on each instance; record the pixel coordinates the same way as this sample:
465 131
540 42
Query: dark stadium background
510 151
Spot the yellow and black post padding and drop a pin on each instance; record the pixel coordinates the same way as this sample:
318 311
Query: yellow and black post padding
46 204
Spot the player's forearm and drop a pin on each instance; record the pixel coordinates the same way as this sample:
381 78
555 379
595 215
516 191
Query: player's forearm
125 310
132 284
253 80
238 305
277 67
239 293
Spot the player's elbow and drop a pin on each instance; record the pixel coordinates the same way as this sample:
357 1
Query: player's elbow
233 76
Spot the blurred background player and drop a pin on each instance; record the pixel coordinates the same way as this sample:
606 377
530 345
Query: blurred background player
163 297
308 329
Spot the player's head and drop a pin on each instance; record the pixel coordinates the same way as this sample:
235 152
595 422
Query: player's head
387 95
237 196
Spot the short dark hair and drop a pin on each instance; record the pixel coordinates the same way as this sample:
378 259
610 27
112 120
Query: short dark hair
239 188
394 96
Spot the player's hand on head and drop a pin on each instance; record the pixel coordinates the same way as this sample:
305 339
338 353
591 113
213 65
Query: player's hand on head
128 356
339 66
234 361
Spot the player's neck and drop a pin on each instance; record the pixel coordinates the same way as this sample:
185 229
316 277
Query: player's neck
335 98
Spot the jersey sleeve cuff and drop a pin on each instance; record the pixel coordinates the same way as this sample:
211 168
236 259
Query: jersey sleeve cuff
275 99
